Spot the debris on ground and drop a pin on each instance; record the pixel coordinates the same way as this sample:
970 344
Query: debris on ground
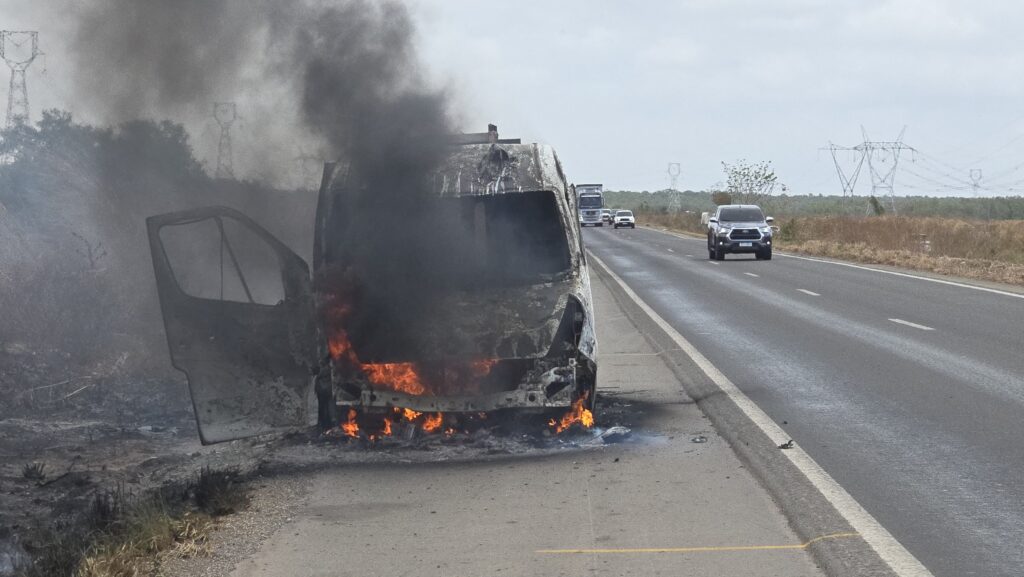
616 434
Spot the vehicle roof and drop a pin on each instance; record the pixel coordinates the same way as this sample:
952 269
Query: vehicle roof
739 206
482 169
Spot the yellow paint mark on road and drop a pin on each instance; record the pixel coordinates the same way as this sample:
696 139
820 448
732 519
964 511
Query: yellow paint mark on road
719 549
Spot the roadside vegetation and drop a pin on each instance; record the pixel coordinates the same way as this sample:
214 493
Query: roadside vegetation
983 250
123 535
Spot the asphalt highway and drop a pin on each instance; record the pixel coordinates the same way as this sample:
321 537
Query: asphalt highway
908 392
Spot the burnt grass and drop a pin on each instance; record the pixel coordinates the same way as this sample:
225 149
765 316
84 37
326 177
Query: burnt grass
124 533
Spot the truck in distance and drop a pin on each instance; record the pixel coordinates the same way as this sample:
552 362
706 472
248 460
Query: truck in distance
591 201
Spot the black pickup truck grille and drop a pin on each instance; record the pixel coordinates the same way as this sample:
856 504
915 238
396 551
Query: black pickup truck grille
745 234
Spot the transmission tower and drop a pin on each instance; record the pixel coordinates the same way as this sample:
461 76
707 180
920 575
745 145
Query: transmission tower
847 182
18 49
976 176
674 170
225 114
878 154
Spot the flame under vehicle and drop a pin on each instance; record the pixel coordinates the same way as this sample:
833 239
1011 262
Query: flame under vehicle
505 322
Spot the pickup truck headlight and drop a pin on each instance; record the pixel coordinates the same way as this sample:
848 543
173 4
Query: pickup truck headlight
765 229
724 231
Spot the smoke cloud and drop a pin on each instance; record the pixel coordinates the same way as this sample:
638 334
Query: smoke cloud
343 75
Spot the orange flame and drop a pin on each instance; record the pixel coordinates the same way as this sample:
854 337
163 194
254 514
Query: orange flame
483 367
350 427
433 422
401 376
577 414
386 429
409 414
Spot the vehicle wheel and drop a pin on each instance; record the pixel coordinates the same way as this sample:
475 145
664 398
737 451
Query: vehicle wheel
767 254
632 226
719 254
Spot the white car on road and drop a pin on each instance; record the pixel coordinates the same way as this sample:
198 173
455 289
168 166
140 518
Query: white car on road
624 218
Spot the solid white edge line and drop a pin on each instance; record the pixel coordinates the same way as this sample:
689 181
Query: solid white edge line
910 324
862 267
751 274
807 292
892 552
903 274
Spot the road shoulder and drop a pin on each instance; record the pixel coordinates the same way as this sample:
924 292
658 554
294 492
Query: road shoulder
672 499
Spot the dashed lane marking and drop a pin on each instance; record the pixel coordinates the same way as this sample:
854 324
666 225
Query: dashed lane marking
807 292
892 552
910 324
713 549
903 274
751 274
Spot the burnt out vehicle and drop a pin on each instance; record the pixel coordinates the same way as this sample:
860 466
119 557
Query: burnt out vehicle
474 297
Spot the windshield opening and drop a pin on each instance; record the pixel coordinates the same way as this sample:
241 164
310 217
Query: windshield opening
457 242
740 215
624 213
591 201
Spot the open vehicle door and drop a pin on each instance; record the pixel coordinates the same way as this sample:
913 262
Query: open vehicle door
238 311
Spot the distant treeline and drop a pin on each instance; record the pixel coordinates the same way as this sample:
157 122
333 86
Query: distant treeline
664 201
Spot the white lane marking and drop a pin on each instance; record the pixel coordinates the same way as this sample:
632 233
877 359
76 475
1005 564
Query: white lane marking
670 250
892 552
892 272
712 262
751 274
910 324
807 292
903 274
690 255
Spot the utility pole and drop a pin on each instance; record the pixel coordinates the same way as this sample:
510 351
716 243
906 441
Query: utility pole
18 49
225 114
879 153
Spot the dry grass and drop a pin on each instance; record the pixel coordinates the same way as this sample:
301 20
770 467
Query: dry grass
992 251
149 534
984 250
126 536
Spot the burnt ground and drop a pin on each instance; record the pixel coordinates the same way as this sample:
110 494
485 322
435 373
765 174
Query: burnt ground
64 439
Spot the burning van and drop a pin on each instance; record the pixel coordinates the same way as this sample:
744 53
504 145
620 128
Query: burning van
466 294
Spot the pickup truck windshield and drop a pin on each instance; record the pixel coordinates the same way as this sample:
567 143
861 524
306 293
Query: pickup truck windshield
588 201
740 215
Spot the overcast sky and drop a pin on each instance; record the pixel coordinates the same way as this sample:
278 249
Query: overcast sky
621 89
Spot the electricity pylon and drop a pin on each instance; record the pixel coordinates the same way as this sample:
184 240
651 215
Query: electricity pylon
13 44
225 114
